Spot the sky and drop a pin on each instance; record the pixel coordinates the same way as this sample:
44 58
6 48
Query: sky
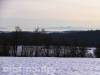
50 14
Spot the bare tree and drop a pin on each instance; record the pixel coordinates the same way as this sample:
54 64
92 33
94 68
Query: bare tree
18 29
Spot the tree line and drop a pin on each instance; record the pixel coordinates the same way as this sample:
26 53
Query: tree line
71 38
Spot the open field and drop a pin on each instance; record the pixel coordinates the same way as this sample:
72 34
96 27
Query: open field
49 66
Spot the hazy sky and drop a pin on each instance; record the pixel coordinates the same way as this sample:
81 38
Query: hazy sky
68 14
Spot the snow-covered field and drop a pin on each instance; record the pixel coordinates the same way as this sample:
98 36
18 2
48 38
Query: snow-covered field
49 66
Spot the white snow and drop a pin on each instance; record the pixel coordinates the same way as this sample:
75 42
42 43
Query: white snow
49 66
